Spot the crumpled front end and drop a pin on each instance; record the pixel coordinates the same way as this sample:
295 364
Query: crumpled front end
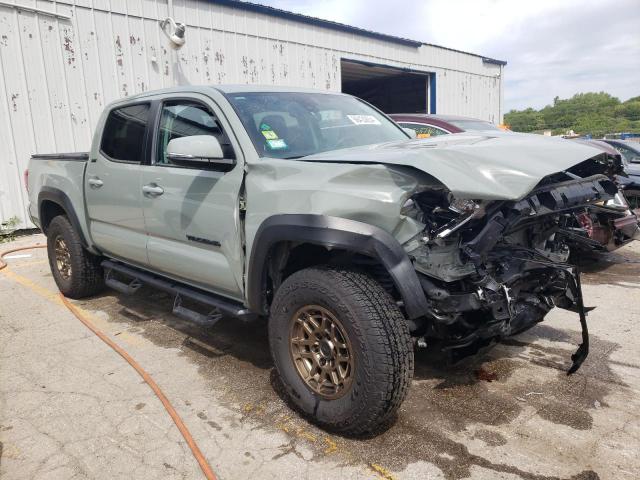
491 269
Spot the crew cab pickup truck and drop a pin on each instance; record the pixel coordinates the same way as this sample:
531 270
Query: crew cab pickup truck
316 212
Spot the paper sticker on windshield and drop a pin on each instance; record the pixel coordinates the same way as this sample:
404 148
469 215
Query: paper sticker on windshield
277 144
269 134
363 119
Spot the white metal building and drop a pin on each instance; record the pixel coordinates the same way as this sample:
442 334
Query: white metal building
62 61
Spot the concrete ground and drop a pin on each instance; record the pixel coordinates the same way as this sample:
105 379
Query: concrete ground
72 408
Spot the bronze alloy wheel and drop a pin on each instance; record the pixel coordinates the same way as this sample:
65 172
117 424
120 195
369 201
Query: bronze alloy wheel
63 258
321 351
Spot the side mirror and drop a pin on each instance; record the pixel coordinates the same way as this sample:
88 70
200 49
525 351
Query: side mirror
200 151
410 131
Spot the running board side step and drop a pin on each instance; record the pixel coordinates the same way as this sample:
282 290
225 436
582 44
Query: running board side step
126 288
221 306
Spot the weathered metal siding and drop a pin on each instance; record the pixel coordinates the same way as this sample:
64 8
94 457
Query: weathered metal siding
58 74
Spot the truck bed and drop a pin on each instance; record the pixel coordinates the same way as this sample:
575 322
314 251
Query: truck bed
57 178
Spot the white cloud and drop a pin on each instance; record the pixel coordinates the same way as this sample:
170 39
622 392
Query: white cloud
553 47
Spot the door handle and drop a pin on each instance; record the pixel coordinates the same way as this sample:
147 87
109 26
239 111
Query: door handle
153 190
95 182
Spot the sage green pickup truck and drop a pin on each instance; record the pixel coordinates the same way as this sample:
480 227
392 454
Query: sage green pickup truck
317 213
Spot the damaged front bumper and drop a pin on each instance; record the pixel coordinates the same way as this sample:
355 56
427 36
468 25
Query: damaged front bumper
501 272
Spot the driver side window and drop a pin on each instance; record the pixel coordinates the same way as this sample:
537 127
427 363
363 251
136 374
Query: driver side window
184 119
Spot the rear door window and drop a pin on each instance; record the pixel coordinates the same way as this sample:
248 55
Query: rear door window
123 137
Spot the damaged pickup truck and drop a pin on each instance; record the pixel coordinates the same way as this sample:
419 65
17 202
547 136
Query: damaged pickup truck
317 212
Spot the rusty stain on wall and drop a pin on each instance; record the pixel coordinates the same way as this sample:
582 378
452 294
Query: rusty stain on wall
119 55
14 104
67 44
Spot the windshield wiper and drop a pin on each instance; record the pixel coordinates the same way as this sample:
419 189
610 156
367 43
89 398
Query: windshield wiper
294 157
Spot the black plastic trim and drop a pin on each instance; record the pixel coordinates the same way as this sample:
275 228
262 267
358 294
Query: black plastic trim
339 233
226 306
62 199
72 156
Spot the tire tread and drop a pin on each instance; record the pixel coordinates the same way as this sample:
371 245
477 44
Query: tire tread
87 276
385 327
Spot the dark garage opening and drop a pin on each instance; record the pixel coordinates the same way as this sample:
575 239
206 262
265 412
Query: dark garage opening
392 90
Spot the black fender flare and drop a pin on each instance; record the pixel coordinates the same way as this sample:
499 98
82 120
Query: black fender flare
60 198
334 232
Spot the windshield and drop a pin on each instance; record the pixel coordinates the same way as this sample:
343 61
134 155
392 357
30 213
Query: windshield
470 125
294 125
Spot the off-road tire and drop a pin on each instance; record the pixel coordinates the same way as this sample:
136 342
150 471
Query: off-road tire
86 277
380 341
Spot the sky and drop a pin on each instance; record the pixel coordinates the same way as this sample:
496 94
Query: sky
553 47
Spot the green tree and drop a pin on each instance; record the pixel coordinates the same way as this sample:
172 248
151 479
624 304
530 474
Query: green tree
595 113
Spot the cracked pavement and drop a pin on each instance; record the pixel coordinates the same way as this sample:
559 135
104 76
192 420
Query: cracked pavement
70 407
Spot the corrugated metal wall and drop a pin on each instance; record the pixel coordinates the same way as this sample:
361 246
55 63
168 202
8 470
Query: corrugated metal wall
58 74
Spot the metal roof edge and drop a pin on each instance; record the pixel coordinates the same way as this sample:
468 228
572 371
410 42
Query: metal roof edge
298 17
493 61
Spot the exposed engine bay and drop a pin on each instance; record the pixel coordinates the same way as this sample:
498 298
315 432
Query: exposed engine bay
492 269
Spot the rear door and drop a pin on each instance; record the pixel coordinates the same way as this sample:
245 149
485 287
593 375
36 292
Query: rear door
112 184
192 215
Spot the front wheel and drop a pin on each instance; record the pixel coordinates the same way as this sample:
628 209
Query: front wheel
341 347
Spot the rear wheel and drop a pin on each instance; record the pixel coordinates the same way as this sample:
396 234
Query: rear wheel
77 272
341 347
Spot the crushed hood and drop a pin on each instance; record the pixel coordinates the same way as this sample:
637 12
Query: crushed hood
485 166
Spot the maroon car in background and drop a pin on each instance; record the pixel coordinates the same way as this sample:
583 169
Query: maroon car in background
432 125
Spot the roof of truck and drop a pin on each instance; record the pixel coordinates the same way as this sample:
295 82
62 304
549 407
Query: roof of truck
224 89
243 88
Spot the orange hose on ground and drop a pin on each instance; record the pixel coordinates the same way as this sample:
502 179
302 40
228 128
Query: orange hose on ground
202 461
2 255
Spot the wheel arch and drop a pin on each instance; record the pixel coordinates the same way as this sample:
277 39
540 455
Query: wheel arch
278 231
53 202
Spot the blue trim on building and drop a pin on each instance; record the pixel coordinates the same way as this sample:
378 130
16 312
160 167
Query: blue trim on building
432 93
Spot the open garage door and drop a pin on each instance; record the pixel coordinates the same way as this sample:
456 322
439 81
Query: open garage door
392 90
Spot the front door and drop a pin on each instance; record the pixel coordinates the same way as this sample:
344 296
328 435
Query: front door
112 185
192 215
